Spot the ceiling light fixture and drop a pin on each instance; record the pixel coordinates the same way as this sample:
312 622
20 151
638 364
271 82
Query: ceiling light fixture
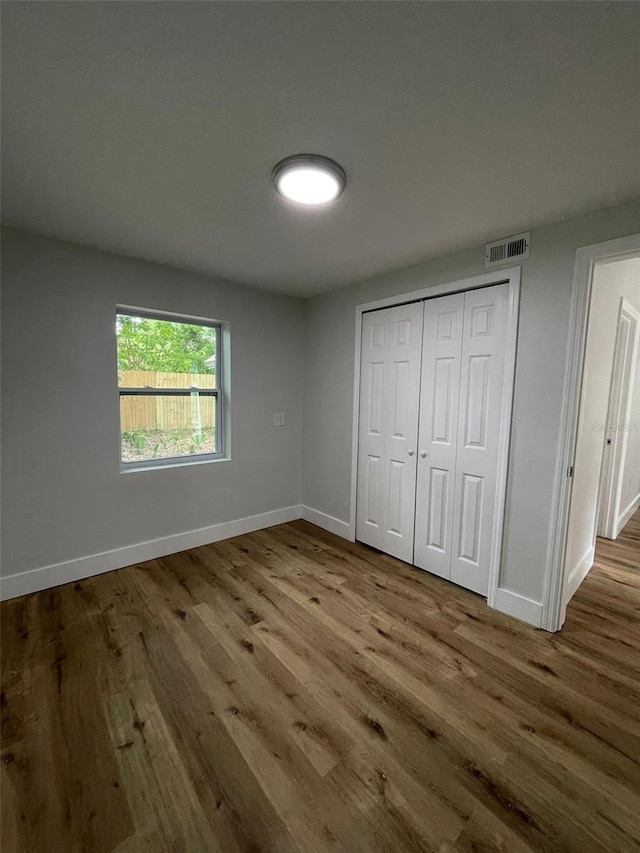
309 179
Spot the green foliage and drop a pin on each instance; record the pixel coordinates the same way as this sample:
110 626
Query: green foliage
196 441
144 444
137 439
145 344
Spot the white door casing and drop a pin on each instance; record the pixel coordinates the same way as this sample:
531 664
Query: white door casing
388 427
438 431
482 392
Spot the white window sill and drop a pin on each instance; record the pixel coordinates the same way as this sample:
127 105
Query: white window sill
162 465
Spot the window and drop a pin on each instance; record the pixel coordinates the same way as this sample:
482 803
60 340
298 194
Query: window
169 383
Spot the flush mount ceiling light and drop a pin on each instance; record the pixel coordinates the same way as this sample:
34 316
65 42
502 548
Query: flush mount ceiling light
309 179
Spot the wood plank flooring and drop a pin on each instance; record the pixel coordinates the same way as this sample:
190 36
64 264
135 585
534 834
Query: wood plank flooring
288 691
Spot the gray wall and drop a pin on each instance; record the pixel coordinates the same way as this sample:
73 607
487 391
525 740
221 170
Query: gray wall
63 494
542 344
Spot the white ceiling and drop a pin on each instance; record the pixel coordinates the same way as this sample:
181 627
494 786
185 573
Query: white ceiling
151 128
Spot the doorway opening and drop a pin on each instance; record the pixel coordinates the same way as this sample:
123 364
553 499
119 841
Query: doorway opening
605 468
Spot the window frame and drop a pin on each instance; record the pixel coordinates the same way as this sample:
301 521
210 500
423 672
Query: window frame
218 393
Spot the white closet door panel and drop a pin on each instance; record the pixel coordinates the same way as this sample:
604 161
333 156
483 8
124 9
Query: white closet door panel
388 426
437 441
402 395
371 438
481 398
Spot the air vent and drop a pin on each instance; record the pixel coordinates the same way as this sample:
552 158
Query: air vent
507 250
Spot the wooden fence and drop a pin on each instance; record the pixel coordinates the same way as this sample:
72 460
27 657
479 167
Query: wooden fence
166 413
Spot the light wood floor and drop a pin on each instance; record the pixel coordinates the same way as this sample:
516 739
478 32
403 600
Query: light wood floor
287 691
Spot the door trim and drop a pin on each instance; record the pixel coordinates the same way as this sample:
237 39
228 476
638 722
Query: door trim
553 611
510 277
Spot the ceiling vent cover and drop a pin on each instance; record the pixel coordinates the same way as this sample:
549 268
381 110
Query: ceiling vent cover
507 250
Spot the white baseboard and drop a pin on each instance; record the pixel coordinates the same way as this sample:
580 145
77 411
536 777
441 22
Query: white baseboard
624 516
525 609
577 574
45 577
327 522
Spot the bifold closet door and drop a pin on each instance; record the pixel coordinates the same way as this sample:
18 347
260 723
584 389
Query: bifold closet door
388 428
437 441
461 410
480 415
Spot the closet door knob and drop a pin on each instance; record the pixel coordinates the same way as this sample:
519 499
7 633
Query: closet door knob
410 452
423 454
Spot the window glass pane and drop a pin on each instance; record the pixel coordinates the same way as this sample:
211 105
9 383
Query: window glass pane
160 427
165 354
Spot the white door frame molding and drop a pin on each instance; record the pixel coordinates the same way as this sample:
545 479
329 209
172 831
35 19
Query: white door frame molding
511 277
553 612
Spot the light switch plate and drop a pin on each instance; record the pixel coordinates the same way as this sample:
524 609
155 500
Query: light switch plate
278 419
